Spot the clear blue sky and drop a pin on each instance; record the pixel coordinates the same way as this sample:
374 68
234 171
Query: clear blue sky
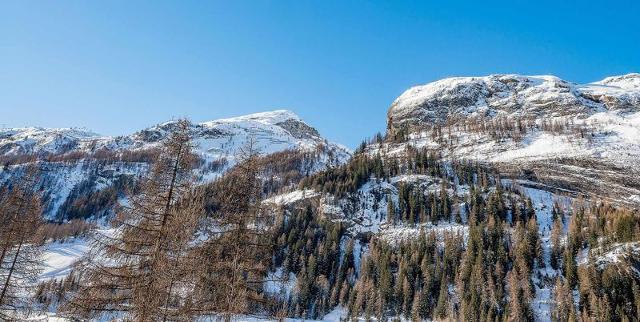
119 66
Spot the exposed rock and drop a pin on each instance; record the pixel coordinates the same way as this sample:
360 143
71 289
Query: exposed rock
583 138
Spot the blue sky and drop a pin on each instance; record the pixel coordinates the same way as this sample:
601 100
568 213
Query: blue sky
119 66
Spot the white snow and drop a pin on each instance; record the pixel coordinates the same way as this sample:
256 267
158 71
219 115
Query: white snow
278 284
216 139
59 258
42 139
612 254
621 87
481 95
291 197
396 233
272 118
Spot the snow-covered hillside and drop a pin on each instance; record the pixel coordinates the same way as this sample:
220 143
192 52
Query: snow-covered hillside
272 132
513 95
580 137
42 140
537 145
217 143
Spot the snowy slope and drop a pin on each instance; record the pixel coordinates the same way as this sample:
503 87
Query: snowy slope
217 142
272 131
512 95
581 137
59 258
37 140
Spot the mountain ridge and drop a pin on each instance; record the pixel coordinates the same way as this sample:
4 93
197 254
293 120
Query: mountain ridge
286 129
520 169
512 93
77 163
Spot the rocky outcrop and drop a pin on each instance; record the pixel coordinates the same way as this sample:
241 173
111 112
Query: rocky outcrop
580 138
512 95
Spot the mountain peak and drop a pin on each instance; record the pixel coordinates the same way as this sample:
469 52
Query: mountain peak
272 117
512 95
630 82
272 131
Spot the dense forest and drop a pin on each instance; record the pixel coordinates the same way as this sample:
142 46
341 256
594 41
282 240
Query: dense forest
176 249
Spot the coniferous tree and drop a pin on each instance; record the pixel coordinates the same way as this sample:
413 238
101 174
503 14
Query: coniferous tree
556 246
143 268
20 263
443 299
238 256
564 309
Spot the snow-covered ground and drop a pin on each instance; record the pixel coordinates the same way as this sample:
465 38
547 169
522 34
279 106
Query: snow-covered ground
336 315
514 95
279 285
396 233
59 258
613 136
291 197
612 254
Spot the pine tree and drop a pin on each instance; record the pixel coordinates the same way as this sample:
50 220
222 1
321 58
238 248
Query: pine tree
444 199
440 311
564 308
556 246
385 279
391 210
570 267
415 308
407 295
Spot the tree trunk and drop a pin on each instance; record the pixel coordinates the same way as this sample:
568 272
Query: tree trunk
11 269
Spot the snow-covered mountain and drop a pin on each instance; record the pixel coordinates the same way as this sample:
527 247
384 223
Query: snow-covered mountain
29 140
585 138
550 140
513 95
76 165
272 131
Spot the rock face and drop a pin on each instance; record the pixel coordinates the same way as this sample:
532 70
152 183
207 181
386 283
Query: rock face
582 138
512 95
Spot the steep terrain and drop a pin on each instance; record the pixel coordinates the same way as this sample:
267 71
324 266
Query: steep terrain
483 201
78 163
585 138
536 143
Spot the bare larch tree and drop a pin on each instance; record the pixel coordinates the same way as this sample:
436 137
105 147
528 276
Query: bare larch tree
141 269
20 260
238 249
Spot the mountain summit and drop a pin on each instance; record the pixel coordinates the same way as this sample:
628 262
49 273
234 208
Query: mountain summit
585 138
513 95
81 164
272 131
